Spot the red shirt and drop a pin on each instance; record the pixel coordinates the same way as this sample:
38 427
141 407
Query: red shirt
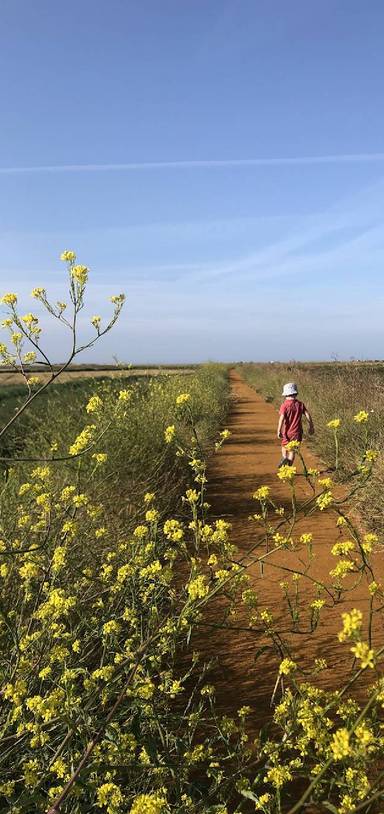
292 410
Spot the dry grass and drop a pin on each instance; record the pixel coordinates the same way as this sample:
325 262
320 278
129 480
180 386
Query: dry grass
11 378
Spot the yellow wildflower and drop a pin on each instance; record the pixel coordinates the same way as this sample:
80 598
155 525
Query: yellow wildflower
325 482
317 604
38 293
111 627
261 493
342 569
83 440
29 319
292 445
361 417
29 357
100 457
173 530
342 548
152 516
286 472
94 404
352 623
8 299
3 570
369 541
100 532
30 772
125 395
153 803
324 500
340 744
362 651
140 532
278 775
169 433
183 398
287 666
59 768
7 788
68 256
197 588
334 424
80 274
192 496
117 299
109 797
262 801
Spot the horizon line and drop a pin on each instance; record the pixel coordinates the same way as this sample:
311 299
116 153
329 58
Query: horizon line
199 163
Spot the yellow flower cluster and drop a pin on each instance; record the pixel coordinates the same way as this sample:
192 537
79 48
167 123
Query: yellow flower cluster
68 256
361 417
109 796
286 473
80 274
197 588
173 530
183 398
287 666
262 493
352 623
154 803
38 293
364 653
324 500
9 299
278 776
169 433
83 440
340 745
293 445
94 405
334 424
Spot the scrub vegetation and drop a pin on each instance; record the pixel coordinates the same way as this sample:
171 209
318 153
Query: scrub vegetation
109 558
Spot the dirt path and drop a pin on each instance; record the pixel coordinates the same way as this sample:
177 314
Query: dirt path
248 460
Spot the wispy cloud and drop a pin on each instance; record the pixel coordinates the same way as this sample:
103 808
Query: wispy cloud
341 158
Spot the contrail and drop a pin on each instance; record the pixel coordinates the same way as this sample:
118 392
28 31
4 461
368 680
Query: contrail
352 158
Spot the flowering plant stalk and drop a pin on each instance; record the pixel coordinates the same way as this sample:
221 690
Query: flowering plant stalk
27 330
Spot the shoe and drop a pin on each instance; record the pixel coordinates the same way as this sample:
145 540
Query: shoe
283 462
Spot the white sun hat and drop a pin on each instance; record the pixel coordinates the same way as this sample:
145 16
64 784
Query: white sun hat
290 389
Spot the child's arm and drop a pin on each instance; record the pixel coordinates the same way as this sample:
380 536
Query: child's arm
280 426
311 428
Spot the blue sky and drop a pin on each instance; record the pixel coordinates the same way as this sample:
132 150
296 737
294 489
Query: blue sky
229 236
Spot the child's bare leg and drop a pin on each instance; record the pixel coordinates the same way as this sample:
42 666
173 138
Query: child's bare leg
284 453
291 455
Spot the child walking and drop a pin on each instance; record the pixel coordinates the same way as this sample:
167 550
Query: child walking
290 427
